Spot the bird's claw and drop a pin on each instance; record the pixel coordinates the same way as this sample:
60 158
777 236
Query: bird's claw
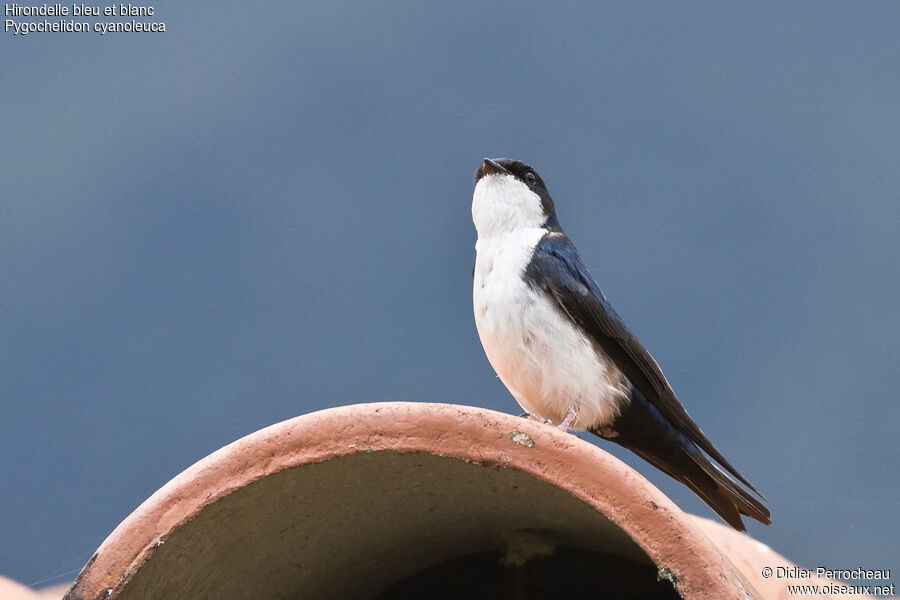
534 417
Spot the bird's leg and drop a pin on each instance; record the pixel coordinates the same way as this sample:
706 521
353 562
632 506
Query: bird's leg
568 420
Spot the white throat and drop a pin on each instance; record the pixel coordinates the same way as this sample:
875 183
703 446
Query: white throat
502 204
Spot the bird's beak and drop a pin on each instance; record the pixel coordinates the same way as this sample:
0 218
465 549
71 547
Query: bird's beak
492 166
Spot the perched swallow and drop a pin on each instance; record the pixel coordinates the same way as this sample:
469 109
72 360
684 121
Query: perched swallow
566 356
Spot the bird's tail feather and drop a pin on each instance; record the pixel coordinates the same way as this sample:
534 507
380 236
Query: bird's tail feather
643 430
712 485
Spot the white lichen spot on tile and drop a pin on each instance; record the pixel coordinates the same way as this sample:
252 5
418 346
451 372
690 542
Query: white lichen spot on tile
523 439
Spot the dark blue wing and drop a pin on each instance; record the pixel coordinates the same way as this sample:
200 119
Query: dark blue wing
557 269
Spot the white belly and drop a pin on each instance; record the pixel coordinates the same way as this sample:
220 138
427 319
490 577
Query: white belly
547 364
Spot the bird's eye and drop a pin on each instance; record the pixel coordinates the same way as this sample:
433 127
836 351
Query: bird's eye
530 178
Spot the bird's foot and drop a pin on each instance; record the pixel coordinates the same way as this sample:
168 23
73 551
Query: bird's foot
535 417
568 420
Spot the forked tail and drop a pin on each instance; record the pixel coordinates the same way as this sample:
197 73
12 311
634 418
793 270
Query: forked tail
642 429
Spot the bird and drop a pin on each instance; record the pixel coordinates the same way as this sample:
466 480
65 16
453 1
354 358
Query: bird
564 353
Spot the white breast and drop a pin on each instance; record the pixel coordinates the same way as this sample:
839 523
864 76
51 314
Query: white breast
547 364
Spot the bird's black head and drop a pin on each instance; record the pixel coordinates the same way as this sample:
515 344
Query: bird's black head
525 174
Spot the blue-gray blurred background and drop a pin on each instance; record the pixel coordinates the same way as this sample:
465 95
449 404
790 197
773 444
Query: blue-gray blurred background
265 211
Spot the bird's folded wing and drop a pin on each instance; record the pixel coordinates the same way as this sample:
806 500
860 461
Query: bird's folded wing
557 269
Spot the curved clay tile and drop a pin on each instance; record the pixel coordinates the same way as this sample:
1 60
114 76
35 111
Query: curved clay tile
372 500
